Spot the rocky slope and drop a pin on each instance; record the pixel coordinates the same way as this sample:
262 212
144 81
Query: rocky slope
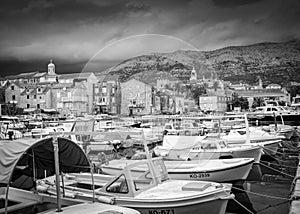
273 62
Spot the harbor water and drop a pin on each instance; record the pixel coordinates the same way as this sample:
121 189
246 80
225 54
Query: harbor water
269 185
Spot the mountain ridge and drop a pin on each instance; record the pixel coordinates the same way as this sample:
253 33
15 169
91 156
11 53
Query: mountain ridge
274 62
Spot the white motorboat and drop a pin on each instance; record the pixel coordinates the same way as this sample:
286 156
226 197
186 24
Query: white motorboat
151 192
286 131
224 170
203 148
256 135
44 132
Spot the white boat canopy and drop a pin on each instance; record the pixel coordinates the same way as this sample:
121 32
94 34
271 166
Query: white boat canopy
36 159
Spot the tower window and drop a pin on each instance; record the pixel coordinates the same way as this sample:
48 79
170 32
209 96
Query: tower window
13 97
27 97
12 87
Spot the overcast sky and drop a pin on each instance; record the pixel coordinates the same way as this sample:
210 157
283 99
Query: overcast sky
71 32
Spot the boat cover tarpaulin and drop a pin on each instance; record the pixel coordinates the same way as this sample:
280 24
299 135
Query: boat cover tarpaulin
17 158
180 142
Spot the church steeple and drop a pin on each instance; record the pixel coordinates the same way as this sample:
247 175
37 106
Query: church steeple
193 76
51 68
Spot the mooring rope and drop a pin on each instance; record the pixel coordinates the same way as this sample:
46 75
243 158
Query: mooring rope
276 170
239 203
268 163
271 205
261 195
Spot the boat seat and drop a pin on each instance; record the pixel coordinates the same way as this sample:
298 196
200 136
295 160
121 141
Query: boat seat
194 186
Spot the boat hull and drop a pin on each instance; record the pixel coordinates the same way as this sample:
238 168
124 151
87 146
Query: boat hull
250 152
189 207
232 170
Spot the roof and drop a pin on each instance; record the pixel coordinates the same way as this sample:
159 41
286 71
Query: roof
63 85
135 79
33 90
261 92
17 155
83 75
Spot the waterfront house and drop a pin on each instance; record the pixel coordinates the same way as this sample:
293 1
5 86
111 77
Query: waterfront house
108 95
137 97
88 79
70 98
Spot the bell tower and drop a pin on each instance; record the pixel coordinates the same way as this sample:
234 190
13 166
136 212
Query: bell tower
51 68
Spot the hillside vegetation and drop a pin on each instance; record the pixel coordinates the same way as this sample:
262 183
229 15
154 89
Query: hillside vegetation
273 62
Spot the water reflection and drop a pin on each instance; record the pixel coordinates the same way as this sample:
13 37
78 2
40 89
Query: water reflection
272 177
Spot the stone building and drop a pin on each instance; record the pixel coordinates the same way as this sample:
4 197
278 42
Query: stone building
36 97
88 79
70 98
13 92
137 97
108 95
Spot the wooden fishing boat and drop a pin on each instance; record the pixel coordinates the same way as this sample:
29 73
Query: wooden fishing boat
23 162
151 192
224 170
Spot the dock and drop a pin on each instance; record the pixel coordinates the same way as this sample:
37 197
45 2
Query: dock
295 197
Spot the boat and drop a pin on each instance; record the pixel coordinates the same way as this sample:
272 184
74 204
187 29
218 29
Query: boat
206 147
23 162
151 192
286 131
45 131
225 170
93 208
266 115
256 135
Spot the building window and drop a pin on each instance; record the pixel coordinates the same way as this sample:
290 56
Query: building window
58 95
104 90
40 97
39 90
27 97
37 105
28 105
34 96
13 97
12 87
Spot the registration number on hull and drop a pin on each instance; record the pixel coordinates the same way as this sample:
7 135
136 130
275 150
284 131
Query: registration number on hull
163 211
199 175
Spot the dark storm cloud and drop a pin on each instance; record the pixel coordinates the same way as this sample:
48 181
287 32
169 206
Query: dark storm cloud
72 31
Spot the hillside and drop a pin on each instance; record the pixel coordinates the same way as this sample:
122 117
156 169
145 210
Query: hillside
273 62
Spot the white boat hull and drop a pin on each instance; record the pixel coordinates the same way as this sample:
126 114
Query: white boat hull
242 152
226 170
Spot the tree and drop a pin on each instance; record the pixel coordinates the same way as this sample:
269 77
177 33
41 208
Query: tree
11 109
240 101
257 102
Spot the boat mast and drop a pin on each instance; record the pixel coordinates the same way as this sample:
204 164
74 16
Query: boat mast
57 179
